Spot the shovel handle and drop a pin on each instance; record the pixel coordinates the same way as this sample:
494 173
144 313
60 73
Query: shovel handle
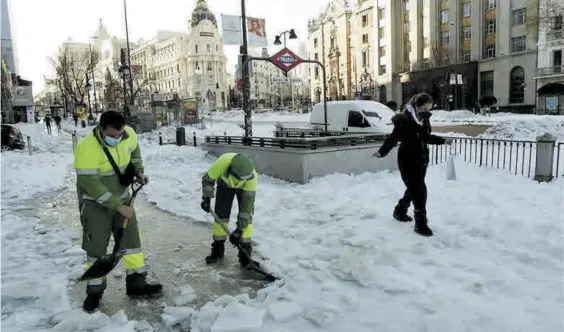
131 202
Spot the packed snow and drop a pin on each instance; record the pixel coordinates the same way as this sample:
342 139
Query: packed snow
493 265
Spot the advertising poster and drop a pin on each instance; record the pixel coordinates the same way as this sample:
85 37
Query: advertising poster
232 31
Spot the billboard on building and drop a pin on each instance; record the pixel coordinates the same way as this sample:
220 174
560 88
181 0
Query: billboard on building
232 31
23 96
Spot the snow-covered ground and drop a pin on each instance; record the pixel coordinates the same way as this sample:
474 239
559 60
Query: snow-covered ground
495 263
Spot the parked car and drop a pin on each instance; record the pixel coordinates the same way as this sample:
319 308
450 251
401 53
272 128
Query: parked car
12 138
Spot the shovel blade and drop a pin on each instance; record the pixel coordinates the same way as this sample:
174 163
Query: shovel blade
101 267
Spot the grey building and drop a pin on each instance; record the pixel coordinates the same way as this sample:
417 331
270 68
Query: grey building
6 32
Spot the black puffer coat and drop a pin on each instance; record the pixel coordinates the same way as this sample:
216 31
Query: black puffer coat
414 138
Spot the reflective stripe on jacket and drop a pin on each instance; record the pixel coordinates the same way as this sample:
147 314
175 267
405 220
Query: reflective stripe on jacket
96 179
219 170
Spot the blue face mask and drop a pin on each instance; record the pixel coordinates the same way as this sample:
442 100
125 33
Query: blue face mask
112 141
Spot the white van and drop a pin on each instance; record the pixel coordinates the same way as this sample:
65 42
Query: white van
359 116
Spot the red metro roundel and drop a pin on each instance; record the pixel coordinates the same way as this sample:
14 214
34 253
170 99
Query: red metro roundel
286 60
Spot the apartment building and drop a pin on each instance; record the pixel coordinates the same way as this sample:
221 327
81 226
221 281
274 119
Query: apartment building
186 65
456 50
550 71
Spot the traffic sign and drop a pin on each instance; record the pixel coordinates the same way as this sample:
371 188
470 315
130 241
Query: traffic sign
286 60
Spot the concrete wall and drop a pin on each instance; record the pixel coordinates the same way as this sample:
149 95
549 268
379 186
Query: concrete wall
302 165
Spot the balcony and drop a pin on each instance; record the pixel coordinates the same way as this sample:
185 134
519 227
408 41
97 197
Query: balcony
550 71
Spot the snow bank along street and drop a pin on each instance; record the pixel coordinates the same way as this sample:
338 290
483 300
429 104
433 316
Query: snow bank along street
494 264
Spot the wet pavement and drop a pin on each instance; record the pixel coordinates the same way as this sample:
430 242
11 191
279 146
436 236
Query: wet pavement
175 248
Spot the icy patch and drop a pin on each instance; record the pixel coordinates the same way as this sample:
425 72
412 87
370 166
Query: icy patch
237 317
187 295
177 315
283 311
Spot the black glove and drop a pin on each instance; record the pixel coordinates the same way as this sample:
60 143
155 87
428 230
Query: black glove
206 204
235 237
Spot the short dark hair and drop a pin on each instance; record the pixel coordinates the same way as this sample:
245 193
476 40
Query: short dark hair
421 99
112 119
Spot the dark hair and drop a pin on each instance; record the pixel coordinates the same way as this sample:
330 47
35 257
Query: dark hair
420 99
392 105
112 119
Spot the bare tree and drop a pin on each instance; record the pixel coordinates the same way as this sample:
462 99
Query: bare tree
141 80
545 15
71 73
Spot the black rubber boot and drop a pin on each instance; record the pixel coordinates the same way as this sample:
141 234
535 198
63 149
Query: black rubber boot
421 226
245 260
92 302
400 214
136 285
217 252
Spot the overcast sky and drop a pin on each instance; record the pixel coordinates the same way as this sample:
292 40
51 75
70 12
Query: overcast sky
40 26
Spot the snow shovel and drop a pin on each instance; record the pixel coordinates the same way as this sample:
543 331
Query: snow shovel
252 265
106 263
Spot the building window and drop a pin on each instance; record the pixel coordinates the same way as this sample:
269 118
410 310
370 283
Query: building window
382 69
466 56
489 51
382 51
365 58
364 20
208 48
517 86
365 38
332 42
314 42
316 56
490 27
557 60
197 67
490 4
381 32
467 32
487 83
316 72
209 67
444 16
196 48
519 17
558 20
467 9
445 37
518 44
381 13
217 48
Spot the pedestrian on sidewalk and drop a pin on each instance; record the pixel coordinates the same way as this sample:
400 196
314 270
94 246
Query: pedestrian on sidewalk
104 202
47 121
412 127
75 119
58 122
235 176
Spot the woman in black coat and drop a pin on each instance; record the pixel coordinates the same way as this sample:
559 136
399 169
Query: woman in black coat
412 128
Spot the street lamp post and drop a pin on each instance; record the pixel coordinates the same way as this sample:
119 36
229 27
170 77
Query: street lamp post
128 53
93 78
292 34
87 86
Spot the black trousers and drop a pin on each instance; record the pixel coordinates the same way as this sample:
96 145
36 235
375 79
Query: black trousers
413 176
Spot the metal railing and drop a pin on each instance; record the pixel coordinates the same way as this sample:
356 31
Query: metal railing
297 142
307 132
549 71
517 157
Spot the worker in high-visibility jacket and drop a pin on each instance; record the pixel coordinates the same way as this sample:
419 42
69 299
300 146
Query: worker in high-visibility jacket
236 176
103 199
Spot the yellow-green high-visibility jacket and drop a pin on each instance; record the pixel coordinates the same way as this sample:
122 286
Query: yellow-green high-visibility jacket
96 179
219 170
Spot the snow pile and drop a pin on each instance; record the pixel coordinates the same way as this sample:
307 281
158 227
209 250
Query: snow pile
38 263
440 117
527 129
348 265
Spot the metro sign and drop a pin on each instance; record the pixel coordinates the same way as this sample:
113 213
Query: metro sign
286 60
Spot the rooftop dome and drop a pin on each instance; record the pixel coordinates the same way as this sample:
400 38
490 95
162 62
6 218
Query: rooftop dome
202 12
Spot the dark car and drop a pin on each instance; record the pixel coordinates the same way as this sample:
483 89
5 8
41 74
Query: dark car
12 138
